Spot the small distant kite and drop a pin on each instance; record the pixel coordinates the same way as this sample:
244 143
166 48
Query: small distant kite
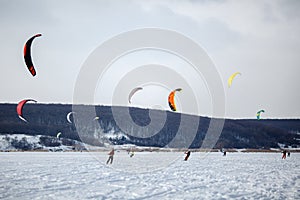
133 92
258 114
58 135
20 108
232 77
27 54
96 118
68 117
171 99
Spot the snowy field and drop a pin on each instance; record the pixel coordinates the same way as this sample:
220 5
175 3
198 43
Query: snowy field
75 175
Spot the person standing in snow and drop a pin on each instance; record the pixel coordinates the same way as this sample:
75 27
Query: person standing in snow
131 154
284 154
188 153
223 151
111 156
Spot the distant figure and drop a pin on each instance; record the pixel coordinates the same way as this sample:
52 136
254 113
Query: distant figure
284 154
111 156
289 153
223 151
188 153
131 154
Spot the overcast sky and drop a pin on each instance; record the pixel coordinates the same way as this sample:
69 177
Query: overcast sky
259 38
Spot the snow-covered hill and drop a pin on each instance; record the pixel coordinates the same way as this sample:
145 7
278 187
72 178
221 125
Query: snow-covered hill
139 129
16 142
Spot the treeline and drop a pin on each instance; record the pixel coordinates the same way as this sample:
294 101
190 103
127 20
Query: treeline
49 119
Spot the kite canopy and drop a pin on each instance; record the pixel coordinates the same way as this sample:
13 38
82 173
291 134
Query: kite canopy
171 99
68 117
133 92
20 108
58 135
232 77
258 114
27 54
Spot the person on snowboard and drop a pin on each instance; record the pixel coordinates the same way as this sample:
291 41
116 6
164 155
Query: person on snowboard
111 156
188 153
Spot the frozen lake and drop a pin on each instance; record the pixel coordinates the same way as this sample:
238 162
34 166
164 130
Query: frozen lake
163 175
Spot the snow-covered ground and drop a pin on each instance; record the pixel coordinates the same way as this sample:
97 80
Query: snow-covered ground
75 175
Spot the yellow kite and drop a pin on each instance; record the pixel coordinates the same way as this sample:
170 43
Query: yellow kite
232 77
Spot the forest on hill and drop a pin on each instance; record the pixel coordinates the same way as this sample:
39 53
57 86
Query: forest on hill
49 119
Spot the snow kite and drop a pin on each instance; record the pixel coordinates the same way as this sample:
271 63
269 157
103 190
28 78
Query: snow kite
20 108
68 117
232 77
171 99
58 135
96 118
133 92
27 54
258 114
